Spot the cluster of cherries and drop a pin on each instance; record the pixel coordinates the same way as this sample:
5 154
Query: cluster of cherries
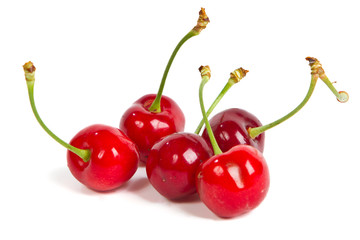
224 165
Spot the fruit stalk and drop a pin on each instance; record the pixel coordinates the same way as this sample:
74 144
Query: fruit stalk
202 22
316 72
29 70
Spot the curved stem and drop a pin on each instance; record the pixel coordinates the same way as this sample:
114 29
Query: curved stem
205 76
254 132
316 72
84 154
155 106
202 22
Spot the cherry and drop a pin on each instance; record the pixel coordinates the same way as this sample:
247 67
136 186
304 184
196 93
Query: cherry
234 182
114 157
172 164
146 128
100 157
235 126
230 128
153 117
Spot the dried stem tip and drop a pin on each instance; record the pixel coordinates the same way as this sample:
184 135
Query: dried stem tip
202 21
316 67
205 71
238 74
29 70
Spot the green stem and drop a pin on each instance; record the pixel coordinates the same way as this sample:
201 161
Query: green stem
201 24
216 148
254 132
317 71
226 88
155 106
82 153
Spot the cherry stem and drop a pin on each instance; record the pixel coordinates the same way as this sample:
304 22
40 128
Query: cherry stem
29 70
203 20
205 77
316 72
235 77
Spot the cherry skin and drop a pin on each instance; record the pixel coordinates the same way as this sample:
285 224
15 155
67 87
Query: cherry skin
230 128
173 162
113 161
234 182
145 128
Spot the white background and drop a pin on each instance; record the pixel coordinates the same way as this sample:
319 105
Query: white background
94 58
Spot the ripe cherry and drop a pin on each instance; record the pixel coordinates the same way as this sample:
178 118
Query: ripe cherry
146 128
230 128
172 164
153 117
100 157
234 182
235 126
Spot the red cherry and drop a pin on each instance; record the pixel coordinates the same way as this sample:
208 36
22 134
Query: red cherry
99 156
230 128
173 162
145 128
113 160
234 182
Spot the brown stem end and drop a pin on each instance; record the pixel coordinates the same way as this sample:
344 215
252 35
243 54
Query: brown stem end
205 71
29 70
238 74
315 65
203 20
